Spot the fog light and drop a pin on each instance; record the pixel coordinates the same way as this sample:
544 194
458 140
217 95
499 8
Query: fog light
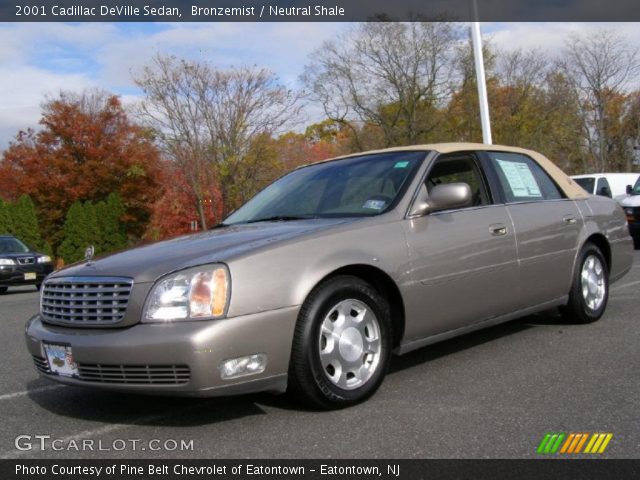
242 366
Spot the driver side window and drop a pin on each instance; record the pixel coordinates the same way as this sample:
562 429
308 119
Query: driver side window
460 169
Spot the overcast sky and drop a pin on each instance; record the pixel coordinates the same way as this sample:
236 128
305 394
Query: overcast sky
39 59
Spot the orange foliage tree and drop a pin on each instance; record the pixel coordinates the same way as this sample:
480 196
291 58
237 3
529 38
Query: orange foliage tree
86 149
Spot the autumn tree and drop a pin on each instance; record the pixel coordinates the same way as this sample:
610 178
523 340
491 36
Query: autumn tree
390 75
601 67
86 148
208 119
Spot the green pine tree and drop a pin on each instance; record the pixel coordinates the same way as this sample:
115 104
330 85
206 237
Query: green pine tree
80 231
112 235
6 221
25 222
90 220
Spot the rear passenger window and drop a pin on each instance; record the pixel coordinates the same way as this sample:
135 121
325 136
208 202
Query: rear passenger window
522 179
603 187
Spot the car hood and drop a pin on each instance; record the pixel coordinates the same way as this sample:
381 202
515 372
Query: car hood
149 262
631 201
18 255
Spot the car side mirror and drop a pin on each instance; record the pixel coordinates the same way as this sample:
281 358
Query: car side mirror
441 197
629 189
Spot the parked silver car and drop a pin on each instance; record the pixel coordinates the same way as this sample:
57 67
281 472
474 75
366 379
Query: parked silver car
313 283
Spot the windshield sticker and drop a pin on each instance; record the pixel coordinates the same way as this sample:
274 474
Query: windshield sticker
374 204
520 178
401 165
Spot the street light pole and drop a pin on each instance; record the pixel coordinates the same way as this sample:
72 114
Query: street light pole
480 79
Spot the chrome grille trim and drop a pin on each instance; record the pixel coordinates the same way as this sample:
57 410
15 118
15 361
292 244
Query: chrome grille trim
26 260
41 364
85 301
135 374
125 374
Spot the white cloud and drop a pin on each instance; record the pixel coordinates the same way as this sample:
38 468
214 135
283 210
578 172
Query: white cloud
23 89
551 37
42 58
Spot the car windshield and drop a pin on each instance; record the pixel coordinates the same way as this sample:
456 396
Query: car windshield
636 188
358 186
587 183
12 245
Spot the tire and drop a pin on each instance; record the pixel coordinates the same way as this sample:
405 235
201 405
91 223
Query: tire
322 370
589 295
3 290
38 286
636 243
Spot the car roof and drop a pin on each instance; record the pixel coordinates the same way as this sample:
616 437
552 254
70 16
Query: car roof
612 174
571 189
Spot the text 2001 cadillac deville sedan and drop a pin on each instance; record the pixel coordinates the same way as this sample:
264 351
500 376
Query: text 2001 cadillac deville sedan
313 283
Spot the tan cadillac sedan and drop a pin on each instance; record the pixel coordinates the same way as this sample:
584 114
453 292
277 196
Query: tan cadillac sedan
316 281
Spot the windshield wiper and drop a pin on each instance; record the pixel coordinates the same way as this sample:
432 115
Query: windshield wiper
280 218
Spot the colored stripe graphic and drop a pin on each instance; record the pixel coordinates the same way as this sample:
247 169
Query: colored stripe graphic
598 442
572 443
550 443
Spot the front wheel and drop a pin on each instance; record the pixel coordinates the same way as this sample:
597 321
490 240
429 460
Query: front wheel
3 290
342 344
590 289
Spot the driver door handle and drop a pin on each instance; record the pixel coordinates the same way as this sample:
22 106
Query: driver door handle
498 229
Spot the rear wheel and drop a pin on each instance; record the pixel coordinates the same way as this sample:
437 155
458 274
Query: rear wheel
590 290
3 290
342 344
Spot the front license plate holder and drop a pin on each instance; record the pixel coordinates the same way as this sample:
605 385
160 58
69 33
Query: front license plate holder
30 276
60 358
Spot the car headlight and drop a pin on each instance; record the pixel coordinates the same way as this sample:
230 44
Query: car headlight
199 293
44 259
7 261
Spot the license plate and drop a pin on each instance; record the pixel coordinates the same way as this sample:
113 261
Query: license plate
60 360
30 276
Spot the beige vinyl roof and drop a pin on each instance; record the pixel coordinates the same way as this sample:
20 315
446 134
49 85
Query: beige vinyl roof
570 188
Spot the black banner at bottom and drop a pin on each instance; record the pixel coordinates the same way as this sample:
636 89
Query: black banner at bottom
320 469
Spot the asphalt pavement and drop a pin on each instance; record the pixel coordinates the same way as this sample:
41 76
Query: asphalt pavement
489 394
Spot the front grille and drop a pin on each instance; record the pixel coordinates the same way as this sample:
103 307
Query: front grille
41 364
127 374
85 301
26 260
135 374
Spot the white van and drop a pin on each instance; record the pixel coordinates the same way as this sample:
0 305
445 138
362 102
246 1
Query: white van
631 205
612 185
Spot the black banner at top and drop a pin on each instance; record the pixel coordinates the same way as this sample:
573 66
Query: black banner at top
317 10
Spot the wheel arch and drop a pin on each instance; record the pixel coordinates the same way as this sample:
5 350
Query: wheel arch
384 284
600 241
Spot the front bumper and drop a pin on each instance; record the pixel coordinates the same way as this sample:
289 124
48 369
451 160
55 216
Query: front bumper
14 275
198 346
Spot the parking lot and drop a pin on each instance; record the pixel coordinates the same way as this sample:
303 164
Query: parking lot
490 394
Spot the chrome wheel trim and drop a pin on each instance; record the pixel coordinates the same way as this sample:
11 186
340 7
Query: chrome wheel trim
349 344
593 282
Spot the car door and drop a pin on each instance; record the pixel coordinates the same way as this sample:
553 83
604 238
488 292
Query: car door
547 226
463 261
